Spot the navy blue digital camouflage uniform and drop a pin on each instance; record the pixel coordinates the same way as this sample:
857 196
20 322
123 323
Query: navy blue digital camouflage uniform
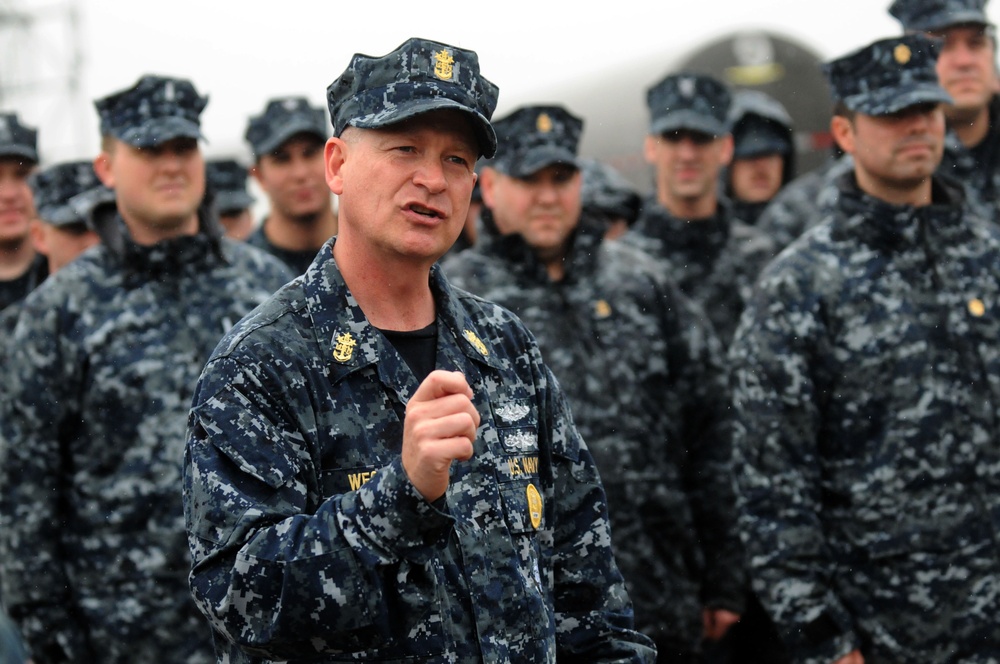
866 395
715 260
309 541
93 552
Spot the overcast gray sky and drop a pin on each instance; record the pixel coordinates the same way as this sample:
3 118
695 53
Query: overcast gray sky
242 52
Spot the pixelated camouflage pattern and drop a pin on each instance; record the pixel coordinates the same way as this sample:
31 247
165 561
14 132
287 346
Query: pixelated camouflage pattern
17 140
54 186
977 169
154 110
534 137
866 379
283 118
689 101
228 180
643 374
922 15
888 75
93 552
803 202
309 542
418 76
714 261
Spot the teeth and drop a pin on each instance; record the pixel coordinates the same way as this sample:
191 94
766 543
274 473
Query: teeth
424 211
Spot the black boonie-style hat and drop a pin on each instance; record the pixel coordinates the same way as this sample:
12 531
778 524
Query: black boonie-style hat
282 119
887 76
54 188
154 110
694 102
228 179
418 77
16 140
931 15
533 137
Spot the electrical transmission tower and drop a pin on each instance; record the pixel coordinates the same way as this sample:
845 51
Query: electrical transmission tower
41 71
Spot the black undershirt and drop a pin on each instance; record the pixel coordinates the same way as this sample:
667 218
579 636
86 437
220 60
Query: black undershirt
418 348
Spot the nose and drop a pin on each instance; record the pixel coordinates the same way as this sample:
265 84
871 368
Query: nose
430 175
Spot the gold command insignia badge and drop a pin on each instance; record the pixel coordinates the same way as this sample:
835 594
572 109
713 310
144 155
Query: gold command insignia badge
602 309
443 65
902 53
344 349
534 506
976 307
544 123
476 342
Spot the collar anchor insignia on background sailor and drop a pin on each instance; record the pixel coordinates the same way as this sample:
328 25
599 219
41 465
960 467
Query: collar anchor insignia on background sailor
344 349
976 307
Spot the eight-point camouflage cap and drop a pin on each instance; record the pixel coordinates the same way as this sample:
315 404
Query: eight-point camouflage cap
929 15
97 206
56 185
228 179
760 125
16 140
282 119
154 110
419 76
531 138
887 76
688 101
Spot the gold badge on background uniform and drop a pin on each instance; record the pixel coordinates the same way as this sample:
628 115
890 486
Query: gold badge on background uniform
544 123
477 342
602 309
443 62
344 349
534 506
976 307
902 53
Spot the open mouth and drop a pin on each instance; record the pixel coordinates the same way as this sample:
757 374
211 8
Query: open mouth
425 211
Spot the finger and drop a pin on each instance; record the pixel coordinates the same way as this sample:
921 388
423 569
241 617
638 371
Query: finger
441 383
452 404
449 426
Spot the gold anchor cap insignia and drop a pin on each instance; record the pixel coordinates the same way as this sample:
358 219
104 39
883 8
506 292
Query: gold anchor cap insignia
534 506
476 342
602 309
544 123
902 53
443 68
344 349
976 307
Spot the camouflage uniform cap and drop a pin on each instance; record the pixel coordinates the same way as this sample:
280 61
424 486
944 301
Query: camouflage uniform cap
695 102
56 185
228 179
930 15
533 137
760 125
283 118
607 191
96 206
154 110
887 76
419 76
16 140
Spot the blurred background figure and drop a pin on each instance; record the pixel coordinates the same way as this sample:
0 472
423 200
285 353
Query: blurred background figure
608 197
21 268
62 231
227 179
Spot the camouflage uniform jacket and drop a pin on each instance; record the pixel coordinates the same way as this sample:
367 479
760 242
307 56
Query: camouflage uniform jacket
979 168
642 371
866 378
310 543
92 546
715 261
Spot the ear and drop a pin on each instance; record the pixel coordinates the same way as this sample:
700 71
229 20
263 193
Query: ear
726 151
335 157
487 180
843 133
39 239
649 148
102 167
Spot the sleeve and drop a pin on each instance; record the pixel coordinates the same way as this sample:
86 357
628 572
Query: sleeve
40 405
776 430
276 573
707 471
594 621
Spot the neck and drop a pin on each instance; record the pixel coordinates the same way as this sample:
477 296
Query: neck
689 208
306 233
916 196
149 234
971 127
15 258
394 294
